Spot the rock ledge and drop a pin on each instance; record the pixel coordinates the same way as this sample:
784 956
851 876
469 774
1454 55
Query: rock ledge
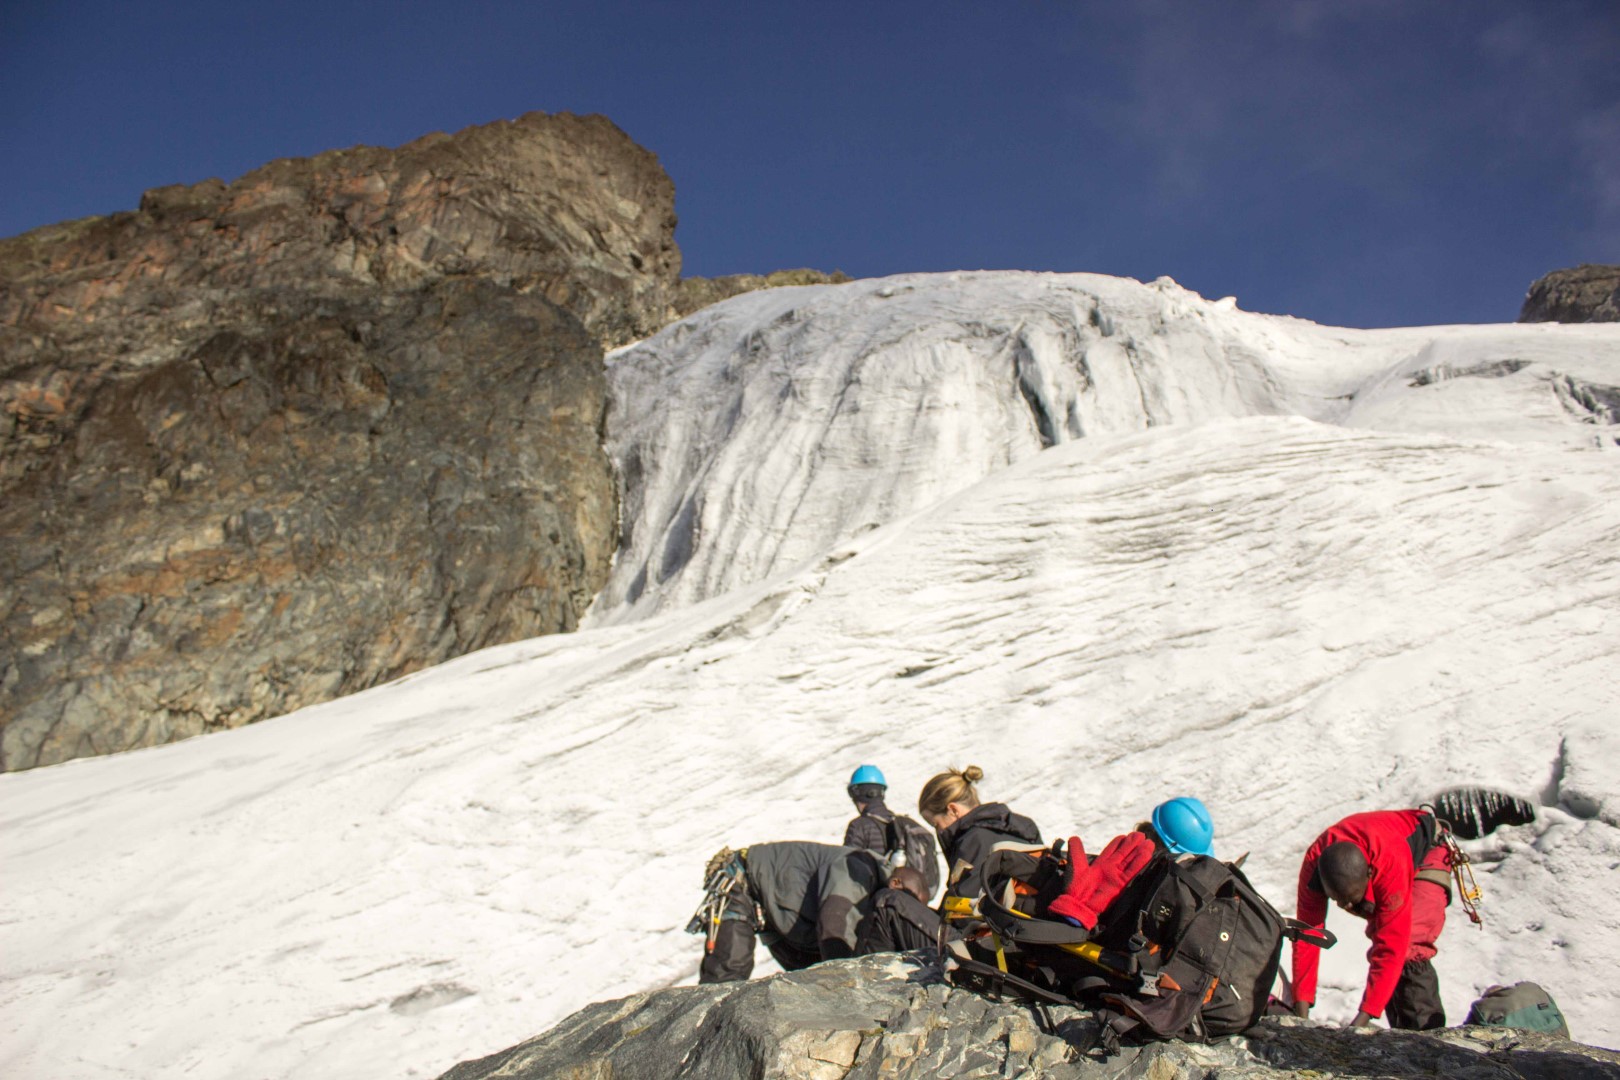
892 1017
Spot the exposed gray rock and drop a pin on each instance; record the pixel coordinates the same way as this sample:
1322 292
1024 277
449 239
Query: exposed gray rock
266 443
1586 293
891 1017
296 508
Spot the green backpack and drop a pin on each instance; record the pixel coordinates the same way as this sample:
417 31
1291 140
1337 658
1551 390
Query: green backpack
1522 1005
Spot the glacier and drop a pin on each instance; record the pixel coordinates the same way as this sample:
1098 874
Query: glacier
1110 541
754 434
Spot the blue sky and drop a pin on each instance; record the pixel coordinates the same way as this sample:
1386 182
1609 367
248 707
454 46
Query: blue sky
1362 162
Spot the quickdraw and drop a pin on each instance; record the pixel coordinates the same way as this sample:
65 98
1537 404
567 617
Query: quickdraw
726 873
1462 872
1459 866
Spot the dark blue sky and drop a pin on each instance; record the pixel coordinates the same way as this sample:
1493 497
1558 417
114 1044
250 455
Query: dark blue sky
1362 162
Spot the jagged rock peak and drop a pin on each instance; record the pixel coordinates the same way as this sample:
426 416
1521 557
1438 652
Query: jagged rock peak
562 205
1585 293
893 1018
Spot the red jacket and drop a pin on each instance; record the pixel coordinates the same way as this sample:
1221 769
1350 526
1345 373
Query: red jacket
1384 838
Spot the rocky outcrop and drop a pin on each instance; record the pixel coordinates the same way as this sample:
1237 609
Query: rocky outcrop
277 440
893 1018
1586 293
273 441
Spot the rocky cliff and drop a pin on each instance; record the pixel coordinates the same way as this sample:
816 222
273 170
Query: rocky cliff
1587 293
893 1018
272 441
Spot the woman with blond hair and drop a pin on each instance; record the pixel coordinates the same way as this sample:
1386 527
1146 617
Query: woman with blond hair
967 828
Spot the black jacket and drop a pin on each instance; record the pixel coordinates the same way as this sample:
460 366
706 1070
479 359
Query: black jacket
813 895
899 922
969 839
870 831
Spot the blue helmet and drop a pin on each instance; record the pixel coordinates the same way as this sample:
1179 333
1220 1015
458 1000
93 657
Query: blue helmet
1185 826
868 774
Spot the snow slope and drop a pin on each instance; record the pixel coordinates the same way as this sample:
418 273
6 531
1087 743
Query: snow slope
755 434
1290 618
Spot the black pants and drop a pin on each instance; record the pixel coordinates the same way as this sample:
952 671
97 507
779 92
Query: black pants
1415 1005
732 958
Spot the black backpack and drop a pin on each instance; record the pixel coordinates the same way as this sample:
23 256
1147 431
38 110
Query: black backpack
905 835
1188 950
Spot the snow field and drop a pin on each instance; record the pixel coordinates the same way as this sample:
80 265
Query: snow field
1290 619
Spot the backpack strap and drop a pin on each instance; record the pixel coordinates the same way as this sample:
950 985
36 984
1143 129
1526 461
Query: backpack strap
1320 936
1425 836
1112 1026
998 981
1009 924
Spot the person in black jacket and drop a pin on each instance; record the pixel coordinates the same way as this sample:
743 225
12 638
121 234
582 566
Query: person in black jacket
894 838
870 828
901 919
967 828
804 901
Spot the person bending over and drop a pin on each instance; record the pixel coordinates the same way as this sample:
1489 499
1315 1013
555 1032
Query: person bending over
805 901
1389 868
901 919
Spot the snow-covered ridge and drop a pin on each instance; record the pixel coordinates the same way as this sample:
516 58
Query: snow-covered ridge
755 434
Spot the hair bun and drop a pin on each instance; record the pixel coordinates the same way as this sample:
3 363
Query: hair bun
973 774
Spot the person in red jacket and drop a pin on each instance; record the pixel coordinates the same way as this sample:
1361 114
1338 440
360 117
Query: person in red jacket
1388 868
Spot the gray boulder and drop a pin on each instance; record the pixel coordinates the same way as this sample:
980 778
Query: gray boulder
1586 293
892 1017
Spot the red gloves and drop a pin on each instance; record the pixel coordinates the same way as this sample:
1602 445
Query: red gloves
1094 887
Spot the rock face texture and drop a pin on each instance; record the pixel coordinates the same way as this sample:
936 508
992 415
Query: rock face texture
892 1017
566 207
1586 293
269 442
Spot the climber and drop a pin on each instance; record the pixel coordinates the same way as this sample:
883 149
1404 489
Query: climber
1177 827
804 901
896 839
869 829
967 828
901 919
1390 868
